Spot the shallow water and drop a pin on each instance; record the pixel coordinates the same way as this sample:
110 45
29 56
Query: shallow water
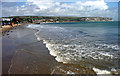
90 44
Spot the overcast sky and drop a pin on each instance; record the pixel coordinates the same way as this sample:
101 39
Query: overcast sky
79 8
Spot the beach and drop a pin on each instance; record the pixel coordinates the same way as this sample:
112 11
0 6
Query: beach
6 28
15 43
24 54
51 49
53 37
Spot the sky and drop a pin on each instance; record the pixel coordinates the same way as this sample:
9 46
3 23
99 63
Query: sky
78 8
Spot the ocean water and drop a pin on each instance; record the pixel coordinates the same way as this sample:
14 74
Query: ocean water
91 44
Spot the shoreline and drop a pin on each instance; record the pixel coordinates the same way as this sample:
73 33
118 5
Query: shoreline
6 28
76 21
26 55
18 54
33 54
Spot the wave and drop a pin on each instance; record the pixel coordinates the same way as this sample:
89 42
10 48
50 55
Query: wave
66 53
33 26
98 71
71 47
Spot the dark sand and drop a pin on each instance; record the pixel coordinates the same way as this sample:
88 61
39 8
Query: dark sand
24 54
21 46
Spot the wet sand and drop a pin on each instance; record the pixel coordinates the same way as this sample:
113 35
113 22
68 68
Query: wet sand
24 54
23 51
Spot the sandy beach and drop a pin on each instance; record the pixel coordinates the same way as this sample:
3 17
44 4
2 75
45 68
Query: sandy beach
65 38
17 51
24 54
8 27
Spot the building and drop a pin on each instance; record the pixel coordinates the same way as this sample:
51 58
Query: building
6 21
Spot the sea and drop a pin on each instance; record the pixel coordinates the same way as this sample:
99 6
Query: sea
90 44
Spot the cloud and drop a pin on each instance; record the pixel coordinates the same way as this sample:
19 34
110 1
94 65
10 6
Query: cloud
52 8
13 0
59 0
63 8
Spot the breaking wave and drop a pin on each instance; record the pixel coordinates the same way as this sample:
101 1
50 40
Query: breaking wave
69 46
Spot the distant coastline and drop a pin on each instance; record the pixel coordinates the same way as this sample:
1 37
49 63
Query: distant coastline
55 19
20 20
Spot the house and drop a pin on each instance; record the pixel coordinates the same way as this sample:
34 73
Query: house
6 21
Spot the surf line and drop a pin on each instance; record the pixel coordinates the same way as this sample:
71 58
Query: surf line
11 63
36 34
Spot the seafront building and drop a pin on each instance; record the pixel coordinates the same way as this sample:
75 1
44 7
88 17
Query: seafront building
6 21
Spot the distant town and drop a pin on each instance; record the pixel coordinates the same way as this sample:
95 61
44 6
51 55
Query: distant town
48 19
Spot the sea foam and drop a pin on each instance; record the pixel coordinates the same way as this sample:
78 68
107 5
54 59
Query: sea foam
98 71
68 46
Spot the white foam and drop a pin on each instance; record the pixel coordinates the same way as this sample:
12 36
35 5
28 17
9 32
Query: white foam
70 72
60 59
106 54
38 38
33 25
52 71
98 71
71 50
66 53
64 71
52 52
113 69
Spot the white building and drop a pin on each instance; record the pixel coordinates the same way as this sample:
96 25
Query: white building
6 19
